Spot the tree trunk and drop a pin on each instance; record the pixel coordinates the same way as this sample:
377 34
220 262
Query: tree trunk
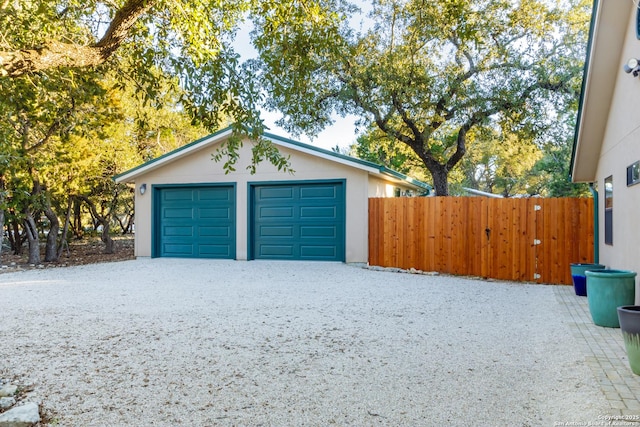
65 230
125 224
51 248
129 228
15 238
77 219
104 220
440 174
33 238
109 244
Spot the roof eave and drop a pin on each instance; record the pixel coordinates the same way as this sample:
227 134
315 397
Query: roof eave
609 23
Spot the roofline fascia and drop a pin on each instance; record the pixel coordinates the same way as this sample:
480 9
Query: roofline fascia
592 25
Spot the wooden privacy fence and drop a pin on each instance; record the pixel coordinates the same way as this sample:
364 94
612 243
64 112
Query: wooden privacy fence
531 240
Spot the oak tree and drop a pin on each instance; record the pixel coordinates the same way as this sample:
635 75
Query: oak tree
425 72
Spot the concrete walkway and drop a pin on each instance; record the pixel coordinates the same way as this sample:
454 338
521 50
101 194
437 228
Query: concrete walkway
604 353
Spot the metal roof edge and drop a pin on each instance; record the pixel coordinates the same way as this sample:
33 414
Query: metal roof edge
592 25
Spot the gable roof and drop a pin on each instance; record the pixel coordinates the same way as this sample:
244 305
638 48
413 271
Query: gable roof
609 24
219 136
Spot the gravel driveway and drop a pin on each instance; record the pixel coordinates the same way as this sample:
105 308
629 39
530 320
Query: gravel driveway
201 342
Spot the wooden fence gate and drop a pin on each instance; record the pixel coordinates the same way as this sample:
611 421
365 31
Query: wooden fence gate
529 240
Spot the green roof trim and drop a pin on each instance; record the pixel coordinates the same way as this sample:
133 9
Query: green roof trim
592 25
382 169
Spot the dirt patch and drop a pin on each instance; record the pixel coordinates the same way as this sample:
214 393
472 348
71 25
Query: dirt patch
86 251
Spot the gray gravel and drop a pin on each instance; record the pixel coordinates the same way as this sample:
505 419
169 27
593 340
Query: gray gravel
197 342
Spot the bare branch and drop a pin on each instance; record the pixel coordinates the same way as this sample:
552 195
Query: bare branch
411 124
461 147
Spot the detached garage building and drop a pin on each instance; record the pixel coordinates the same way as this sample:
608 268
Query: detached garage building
186 206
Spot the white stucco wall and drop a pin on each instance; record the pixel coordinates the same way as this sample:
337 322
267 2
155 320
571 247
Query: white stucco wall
198 167
621 148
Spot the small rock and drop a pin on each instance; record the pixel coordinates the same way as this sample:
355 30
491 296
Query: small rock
13 264
40 265
21 416
7 402
8 390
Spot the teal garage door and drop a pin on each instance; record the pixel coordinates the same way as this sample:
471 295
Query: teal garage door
302 221
195 222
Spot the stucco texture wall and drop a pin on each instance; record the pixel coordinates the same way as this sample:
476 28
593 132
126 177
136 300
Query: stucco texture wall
621 148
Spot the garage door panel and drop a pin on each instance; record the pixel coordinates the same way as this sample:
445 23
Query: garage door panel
276 231
196 222
275 193
177 250
186 213
276 251
308 225
221 194
216 213
312 212
214 231
184 231
176 195
319 231
318 252
277 212
328 192
218 251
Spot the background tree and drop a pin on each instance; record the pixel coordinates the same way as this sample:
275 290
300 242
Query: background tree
375 146
66 141
150 43
500 164
427 72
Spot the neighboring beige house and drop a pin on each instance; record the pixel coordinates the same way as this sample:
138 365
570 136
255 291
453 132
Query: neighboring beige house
186 206
606 150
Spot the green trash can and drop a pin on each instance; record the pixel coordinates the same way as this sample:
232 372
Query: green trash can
608 290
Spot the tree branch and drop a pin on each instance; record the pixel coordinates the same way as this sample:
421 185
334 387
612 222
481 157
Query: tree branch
461 147
411 124
56 54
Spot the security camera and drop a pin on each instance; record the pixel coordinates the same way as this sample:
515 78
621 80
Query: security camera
632 66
